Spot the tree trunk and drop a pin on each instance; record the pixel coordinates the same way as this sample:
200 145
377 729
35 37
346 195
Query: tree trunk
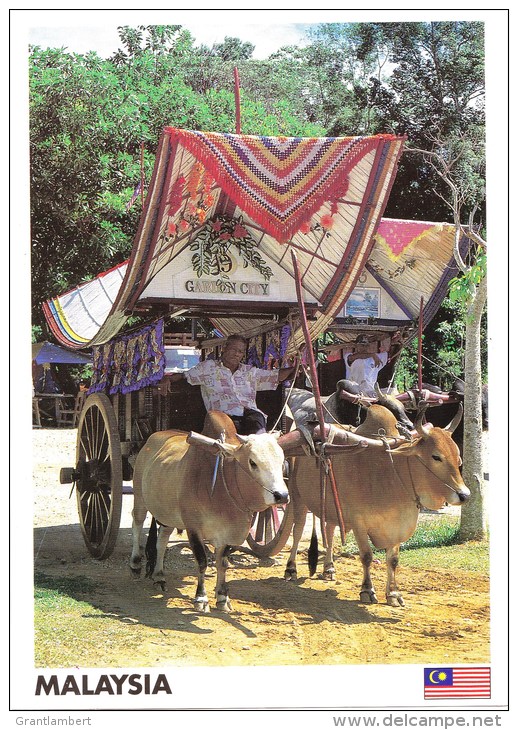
473 521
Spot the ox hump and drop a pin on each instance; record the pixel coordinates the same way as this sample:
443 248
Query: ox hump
379 420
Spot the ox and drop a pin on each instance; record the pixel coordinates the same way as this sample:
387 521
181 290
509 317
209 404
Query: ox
380 493
213 499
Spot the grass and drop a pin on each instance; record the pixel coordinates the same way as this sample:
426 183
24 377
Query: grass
64 620
435 543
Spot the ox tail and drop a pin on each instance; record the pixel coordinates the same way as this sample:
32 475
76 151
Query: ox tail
313 551
151 552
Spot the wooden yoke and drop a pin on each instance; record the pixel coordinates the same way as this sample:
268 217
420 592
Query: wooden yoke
326 466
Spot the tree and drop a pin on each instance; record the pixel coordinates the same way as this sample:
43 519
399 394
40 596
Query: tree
458 162
233 49
88 119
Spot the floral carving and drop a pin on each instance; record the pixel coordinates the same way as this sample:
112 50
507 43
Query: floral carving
211 249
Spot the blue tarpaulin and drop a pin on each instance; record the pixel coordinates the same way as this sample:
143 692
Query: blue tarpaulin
46 352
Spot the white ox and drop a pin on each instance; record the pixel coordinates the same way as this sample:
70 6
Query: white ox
209 487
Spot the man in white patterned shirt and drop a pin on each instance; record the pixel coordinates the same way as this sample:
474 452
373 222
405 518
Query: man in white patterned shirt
230 386
364 364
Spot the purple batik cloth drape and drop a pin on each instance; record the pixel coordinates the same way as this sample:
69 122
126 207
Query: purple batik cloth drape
130 362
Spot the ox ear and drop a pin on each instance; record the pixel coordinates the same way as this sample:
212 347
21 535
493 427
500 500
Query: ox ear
457 418
242 439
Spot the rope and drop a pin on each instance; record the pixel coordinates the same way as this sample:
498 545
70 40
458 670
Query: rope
389 452
455 377
435 475
283 409
229 495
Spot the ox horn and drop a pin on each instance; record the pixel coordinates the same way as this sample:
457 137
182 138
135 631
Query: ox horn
214 446
457 418
419 427
382 398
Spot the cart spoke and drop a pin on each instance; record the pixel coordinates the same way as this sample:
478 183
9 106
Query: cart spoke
268 532
259 528
96 516
99 488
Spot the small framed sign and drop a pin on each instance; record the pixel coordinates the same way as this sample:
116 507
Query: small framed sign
364 302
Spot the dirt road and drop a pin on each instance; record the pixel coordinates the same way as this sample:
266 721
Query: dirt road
446 617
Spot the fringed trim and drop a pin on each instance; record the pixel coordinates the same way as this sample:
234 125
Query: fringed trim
330 190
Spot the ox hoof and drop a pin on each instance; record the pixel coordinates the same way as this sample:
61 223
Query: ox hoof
290 572
368 596
395 600
201 605
329 572
136 572
224 606
160 584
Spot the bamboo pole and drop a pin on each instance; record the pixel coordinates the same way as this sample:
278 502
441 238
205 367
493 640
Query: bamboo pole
237 100
142 180
420 351
319 409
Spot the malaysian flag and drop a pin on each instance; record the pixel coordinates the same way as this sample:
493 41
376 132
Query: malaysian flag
457 683
133 198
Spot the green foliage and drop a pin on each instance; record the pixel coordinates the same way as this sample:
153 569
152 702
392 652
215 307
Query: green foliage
436 531
233 49
443 349
463 288
36 334
406 368
89 117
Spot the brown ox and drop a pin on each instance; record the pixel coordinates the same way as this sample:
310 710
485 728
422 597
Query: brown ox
178 482
380 494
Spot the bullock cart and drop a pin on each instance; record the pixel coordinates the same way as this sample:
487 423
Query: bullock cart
236 232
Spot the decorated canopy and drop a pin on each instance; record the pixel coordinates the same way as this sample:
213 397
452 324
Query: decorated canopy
222 214
411 262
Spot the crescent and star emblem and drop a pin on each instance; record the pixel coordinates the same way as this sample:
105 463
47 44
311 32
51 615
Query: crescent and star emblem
441 676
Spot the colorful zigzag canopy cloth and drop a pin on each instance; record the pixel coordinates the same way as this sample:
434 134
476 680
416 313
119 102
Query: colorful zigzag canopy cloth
324 196
398 235
279 181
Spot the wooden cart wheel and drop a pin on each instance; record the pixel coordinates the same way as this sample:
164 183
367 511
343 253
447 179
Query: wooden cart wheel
99 475
270 530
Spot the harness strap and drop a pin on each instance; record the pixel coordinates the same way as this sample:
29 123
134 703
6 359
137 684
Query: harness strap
244 510
435 475
417 500
283 409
